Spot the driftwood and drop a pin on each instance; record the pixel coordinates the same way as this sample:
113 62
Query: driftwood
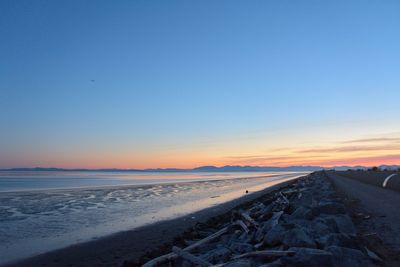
266 253
249 219
258 245
275 218
373 255
269 216
159 260
369 234
190 257
284 198
289 191
243 225
172 255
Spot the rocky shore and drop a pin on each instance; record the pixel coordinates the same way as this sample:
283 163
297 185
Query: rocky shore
304 224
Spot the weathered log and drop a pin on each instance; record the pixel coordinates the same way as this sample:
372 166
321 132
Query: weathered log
290 191
249 219
275 218
369 234
243 225
258 245
373 255
190 257
266 253
284 198
172 255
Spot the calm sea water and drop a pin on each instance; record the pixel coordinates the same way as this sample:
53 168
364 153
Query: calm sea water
42 211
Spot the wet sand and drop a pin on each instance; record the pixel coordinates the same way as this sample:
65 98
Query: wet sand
126 246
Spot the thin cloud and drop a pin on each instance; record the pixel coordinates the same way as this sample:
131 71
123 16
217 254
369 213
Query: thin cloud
272 160
370 140
245 157
351 149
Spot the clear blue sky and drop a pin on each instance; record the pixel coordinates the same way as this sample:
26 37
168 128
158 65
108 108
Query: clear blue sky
129 82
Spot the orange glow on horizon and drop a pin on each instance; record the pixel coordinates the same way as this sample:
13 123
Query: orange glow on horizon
366 152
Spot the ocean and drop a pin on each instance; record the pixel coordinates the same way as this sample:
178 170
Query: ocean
43 211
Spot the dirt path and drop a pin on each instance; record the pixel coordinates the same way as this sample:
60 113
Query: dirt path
383 207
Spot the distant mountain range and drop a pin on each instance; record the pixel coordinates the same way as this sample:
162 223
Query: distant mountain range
227 168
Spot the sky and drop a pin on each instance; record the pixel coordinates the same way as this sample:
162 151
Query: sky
145 84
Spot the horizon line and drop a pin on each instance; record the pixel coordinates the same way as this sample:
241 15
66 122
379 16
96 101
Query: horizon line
198 167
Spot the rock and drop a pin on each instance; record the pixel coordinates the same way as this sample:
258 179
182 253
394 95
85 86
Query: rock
219 255
186 263
337 239
320 227
341 223
244 237
314 218
297 237
305 200
240 248
268 225
302 213
276 263
373 256
308 257
261 231
261 212
255 210
226 239
348 257
275 235
265 211
240 263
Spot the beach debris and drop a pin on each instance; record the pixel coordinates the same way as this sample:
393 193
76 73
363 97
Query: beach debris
373 256
284 198
238 247
169 256
219 255
303 224
309 257
275 218
342 256
370 234
266 253
243 225
249 219
190 257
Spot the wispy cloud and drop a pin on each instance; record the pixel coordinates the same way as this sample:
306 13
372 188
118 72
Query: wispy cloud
321 160
351 149
370 140
373 150
271 160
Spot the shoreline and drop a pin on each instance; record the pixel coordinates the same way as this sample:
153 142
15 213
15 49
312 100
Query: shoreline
146 184
304 224
128 246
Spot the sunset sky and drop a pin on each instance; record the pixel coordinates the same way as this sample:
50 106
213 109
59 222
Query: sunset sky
143 84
